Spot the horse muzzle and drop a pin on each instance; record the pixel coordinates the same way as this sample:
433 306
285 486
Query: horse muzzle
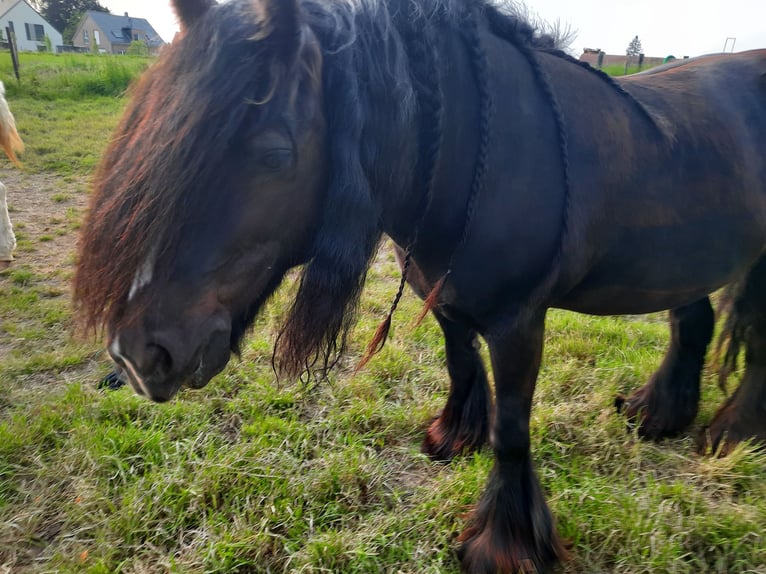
159 363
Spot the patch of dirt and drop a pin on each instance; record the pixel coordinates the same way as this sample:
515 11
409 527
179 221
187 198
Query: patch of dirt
45 210
41 209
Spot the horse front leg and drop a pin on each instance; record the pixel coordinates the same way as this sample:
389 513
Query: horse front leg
463 424
511 530
667 404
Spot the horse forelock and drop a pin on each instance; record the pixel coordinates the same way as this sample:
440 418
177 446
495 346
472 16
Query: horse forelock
161 167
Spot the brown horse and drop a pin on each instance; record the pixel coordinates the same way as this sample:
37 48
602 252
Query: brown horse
279 133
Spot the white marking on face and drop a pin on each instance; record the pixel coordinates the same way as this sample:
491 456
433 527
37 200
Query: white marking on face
114 349
143 275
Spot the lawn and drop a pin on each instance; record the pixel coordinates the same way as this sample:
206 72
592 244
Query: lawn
251 474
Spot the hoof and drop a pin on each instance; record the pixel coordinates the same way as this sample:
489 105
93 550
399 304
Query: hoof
655 416
112 381
727 429
442 443
481 553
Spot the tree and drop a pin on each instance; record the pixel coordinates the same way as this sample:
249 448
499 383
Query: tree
64 15
634 48
138 48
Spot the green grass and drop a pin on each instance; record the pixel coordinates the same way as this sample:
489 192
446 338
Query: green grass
66 107
251 475
64 136
619 70
70 76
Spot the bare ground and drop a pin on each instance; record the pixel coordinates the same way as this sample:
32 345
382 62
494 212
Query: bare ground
40 207
45 210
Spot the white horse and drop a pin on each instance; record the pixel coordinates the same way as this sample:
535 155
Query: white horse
11 143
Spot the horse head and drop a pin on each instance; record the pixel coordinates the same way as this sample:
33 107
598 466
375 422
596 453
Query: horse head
208 193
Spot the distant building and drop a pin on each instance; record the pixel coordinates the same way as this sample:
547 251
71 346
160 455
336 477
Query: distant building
29 27
112 34
591 56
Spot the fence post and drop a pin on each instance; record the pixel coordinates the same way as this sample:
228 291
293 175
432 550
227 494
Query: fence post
14 52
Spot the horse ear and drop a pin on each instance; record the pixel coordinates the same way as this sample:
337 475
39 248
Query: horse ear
189 11
281 24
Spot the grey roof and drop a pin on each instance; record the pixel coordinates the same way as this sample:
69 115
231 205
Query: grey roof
117 28
12 6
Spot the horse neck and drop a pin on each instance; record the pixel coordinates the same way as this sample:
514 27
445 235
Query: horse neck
404 129
440 145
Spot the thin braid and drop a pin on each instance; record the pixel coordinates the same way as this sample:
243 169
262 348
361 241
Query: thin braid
522 36
618 87
544 82
425 62
470 30
486 111
506 29
420 38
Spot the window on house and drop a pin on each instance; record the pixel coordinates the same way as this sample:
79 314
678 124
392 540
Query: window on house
10 25
135 36
85 37
35 32
97 37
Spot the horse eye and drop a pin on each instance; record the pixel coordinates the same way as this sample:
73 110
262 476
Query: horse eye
276 159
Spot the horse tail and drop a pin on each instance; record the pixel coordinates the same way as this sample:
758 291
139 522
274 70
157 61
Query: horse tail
743 305
9 137
732 334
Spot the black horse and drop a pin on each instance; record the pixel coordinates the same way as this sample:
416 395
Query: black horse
278 133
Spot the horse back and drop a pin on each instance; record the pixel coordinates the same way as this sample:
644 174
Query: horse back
668 194
726 92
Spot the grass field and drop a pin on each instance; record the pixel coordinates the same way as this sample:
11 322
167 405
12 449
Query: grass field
253 475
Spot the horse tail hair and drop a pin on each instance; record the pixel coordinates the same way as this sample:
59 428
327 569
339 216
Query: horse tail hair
732 334
9 137
742 303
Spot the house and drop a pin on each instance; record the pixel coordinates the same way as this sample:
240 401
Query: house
29 27
113 34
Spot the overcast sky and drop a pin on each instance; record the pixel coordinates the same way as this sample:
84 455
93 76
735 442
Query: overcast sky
678 27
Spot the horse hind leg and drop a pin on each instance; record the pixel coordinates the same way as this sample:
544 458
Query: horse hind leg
743 414
667 404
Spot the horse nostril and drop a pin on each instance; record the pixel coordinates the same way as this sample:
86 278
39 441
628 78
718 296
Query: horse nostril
158 360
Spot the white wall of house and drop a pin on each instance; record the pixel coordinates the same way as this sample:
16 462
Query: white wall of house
30 28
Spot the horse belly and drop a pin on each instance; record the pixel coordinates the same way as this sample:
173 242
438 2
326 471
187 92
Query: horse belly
654 268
